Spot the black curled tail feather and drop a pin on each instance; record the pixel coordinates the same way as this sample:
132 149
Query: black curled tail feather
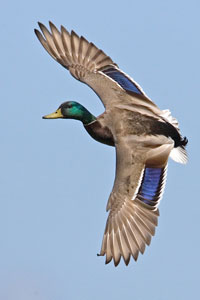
184 141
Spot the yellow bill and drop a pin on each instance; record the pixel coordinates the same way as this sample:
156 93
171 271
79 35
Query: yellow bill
55 115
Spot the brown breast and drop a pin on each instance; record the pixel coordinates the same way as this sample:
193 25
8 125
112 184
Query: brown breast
100 133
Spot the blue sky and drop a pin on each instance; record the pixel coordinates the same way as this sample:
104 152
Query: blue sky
55 180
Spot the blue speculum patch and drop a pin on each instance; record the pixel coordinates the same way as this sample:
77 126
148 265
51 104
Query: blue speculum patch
122 80
151 185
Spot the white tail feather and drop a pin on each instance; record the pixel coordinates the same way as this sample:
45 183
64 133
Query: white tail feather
179 155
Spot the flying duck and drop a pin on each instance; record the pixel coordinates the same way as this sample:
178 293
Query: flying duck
143 135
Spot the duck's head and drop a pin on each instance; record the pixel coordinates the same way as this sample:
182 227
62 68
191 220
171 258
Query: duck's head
72 110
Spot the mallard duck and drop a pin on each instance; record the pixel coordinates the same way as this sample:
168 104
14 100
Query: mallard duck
143 135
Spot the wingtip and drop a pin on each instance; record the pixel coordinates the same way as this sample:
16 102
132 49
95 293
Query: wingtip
52 26
73 33
64 30
42 27
116 262
135 256
37 33
40 24
108 259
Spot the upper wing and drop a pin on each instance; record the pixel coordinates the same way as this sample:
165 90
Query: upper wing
90 65
139 184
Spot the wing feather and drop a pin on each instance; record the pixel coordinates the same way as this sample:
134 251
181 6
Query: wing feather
66 41
134 213
90 65
57 39
49 41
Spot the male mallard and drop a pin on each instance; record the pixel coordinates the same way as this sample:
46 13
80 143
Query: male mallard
143 135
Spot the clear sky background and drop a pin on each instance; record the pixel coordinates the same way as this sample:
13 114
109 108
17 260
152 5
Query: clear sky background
55 180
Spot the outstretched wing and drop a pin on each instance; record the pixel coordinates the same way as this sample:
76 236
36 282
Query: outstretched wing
90 65
133 204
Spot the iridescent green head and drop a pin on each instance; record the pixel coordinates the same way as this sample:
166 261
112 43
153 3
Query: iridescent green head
72 110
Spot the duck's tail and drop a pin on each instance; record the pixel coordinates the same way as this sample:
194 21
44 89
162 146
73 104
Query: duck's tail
179 154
